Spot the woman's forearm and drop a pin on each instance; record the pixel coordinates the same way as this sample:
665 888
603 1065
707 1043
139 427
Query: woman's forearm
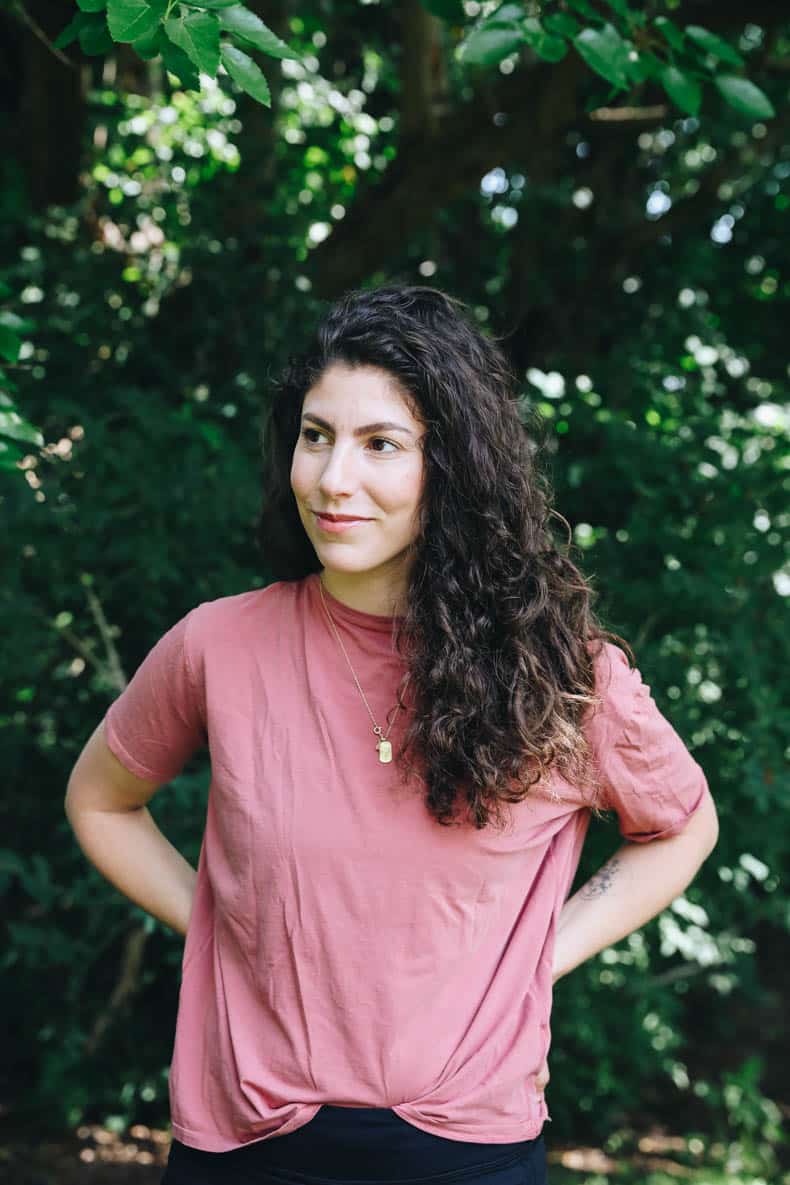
637 882
129 850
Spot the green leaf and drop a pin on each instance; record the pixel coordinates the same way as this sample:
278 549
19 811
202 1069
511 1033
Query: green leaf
197 34
150 45
212 3
744 96
250 28
9 344
643 66
605 52
246 73
70 33
450 11
94 36
561 24
672 34
177 62
507 14
132 20
92 5
714 45
488 44
682 89
16 323
586 9
9 458
15 428
552 49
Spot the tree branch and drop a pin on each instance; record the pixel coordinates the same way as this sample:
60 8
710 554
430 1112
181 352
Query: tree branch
125 988
420 34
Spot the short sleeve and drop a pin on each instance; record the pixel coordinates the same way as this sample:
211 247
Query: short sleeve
157 722
650 778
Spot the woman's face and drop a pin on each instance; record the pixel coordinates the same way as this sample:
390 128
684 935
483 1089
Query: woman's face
344 464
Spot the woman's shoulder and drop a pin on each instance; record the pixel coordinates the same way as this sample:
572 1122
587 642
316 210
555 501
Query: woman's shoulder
610 664
241 617
618 685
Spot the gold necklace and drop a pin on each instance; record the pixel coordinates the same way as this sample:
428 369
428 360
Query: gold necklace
383 745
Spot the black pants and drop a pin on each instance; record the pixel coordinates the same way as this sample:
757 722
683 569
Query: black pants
363 1146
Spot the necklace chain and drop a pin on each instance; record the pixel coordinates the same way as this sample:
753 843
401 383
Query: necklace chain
383 745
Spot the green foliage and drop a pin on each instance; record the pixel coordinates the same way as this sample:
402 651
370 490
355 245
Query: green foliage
132 20
243 71
625 50
15 432
138 330
186 35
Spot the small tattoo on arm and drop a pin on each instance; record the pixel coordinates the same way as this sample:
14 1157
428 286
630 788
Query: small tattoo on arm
602 880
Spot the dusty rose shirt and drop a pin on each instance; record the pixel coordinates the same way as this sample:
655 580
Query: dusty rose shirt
344 947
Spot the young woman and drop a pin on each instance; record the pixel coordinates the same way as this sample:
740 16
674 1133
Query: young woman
410 729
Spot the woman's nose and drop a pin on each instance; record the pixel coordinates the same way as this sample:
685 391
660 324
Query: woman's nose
338 472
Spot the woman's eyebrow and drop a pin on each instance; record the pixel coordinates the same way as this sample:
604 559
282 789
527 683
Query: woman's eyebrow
380 426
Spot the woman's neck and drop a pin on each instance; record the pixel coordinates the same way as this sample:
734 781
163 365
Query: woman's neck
367 593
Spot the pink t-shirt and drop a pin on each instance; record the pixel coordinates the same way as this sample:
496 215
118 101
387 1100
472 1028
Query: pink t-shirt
343 946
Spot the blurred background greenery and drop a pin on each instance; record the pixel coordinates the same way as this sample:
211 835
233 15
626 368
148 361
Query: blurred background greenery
605 183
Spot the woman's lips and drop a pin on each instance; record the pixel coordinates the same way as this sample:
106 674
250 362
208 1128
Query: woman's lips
338 527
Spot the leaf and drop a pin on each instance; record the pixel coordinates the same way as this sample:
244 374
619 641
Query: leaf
150 45
586 9
672 34
177 62
488 44
605 52
561 24
249 27
212 3
70 33
15 428
714 45
744 96
9 458
645 65
682 88
94 36
10 344
552 49
507 14
131 20
246 73
16 323
92 5
197 34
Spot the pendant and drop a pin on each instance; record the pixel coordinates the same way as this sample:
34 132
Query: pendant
385 750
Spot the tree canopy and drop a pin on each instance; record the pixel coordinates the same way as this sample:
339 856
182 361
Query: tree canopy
184 186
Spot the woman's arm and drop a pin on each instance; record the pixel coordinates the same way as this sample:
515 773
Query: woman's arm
637 882
105 805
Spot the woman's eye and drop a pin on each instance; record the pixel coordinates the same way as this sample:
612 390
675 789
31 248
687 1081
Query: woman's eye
374 439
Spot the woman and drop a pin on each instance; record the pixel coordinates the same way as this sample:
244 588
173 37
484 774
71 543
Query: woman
409 731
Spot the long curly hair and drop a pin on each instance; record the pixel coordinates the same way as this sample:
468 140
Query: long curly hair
498 635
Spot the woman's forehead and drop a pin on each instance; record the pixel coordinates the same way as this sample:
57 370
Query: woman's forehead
360 394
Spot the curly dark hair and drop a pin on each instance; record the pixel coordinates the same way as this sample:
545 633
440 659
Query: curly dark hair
498 634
